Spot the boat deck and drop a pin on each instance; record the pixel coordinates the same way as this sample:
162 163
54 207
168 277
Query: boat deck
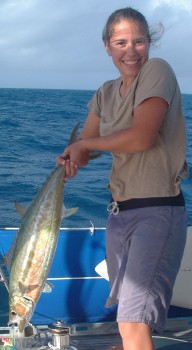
72 283
103 336
102 342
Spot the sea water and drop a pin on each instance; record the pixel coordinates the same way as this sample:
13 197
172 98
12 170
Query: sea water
34 128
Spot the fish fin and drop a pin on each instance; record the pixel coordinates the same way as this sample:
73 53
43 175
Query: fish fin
68 212
48 287
73 136
4 277
23 288
101 269
27 289
8 259
21 210
95 154
9 255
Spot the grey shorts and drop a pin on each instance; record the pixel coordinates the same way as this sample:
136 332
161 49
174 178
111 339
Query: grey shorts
144 251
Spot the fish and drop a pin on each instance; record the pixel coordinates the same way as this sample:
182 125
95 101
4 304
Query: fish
31 254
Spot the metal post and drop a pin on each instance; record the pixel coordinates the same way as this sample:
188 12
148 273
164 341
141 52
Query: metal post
60 335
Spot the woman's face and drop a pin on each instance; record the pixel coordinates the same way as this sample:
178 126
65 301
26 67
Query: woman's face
129 48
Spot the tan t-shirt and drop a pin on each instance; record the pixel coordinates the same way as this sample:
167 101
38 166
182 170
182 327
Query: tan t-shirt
157 171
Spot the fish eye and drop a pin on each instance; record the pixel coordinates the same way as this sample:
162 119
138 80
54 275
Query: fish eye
13 313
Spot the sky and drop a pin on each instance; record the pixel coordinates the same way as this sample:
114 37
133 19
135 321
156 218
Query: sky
56 44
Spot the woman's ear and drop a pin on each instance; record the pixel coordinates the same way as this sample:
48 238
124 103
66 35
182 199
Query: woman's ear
107 47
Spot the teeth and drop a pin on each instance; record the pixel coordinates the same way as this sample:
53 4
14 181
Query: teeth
130 62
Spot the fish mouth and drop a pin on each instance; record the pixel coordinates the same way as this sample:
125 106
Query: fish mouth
14 318
21 313
18 321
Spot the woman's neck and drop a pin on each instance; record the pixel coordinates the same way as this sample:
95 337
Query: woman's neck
125 87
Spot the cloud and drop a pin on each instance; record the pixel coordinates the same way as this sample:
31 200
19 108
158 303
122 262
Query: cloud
177 5
176 16
58 43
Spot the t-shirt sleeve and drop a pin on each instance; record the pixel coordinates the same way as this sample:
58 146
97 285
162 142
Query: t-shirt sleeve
94 104
156 79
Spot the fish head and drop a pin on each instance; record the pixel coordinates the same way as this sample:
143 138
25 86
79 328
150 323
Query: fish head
21 311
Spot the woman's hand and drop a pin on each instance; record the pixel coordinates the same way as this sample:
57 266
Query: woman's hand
77 154
73 157
71 168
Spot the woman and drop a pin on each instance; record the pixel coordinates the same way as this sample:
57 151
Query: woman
138 119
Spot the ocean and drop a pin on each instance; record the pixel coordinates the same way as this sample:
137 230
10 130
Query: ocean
35 128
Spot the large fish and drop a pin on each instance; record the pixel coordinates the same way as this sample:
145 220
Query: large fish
32 251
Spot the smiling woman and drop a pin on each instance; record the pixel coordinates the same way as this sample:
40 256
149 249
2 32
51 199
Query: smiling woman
116 17
138 118
129 51
128 43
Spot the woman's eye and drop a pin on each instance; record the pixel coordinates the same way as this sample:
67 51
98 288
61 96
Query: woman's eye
139 42
121 43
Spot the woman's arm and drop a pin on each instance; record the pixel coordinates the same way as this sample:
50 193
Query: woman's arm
79 157
147 119
91 127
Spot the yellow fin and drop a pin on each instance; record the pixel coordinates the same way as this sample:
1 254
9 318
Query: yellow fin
73 137
48 287
68 212
9 255
21 210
